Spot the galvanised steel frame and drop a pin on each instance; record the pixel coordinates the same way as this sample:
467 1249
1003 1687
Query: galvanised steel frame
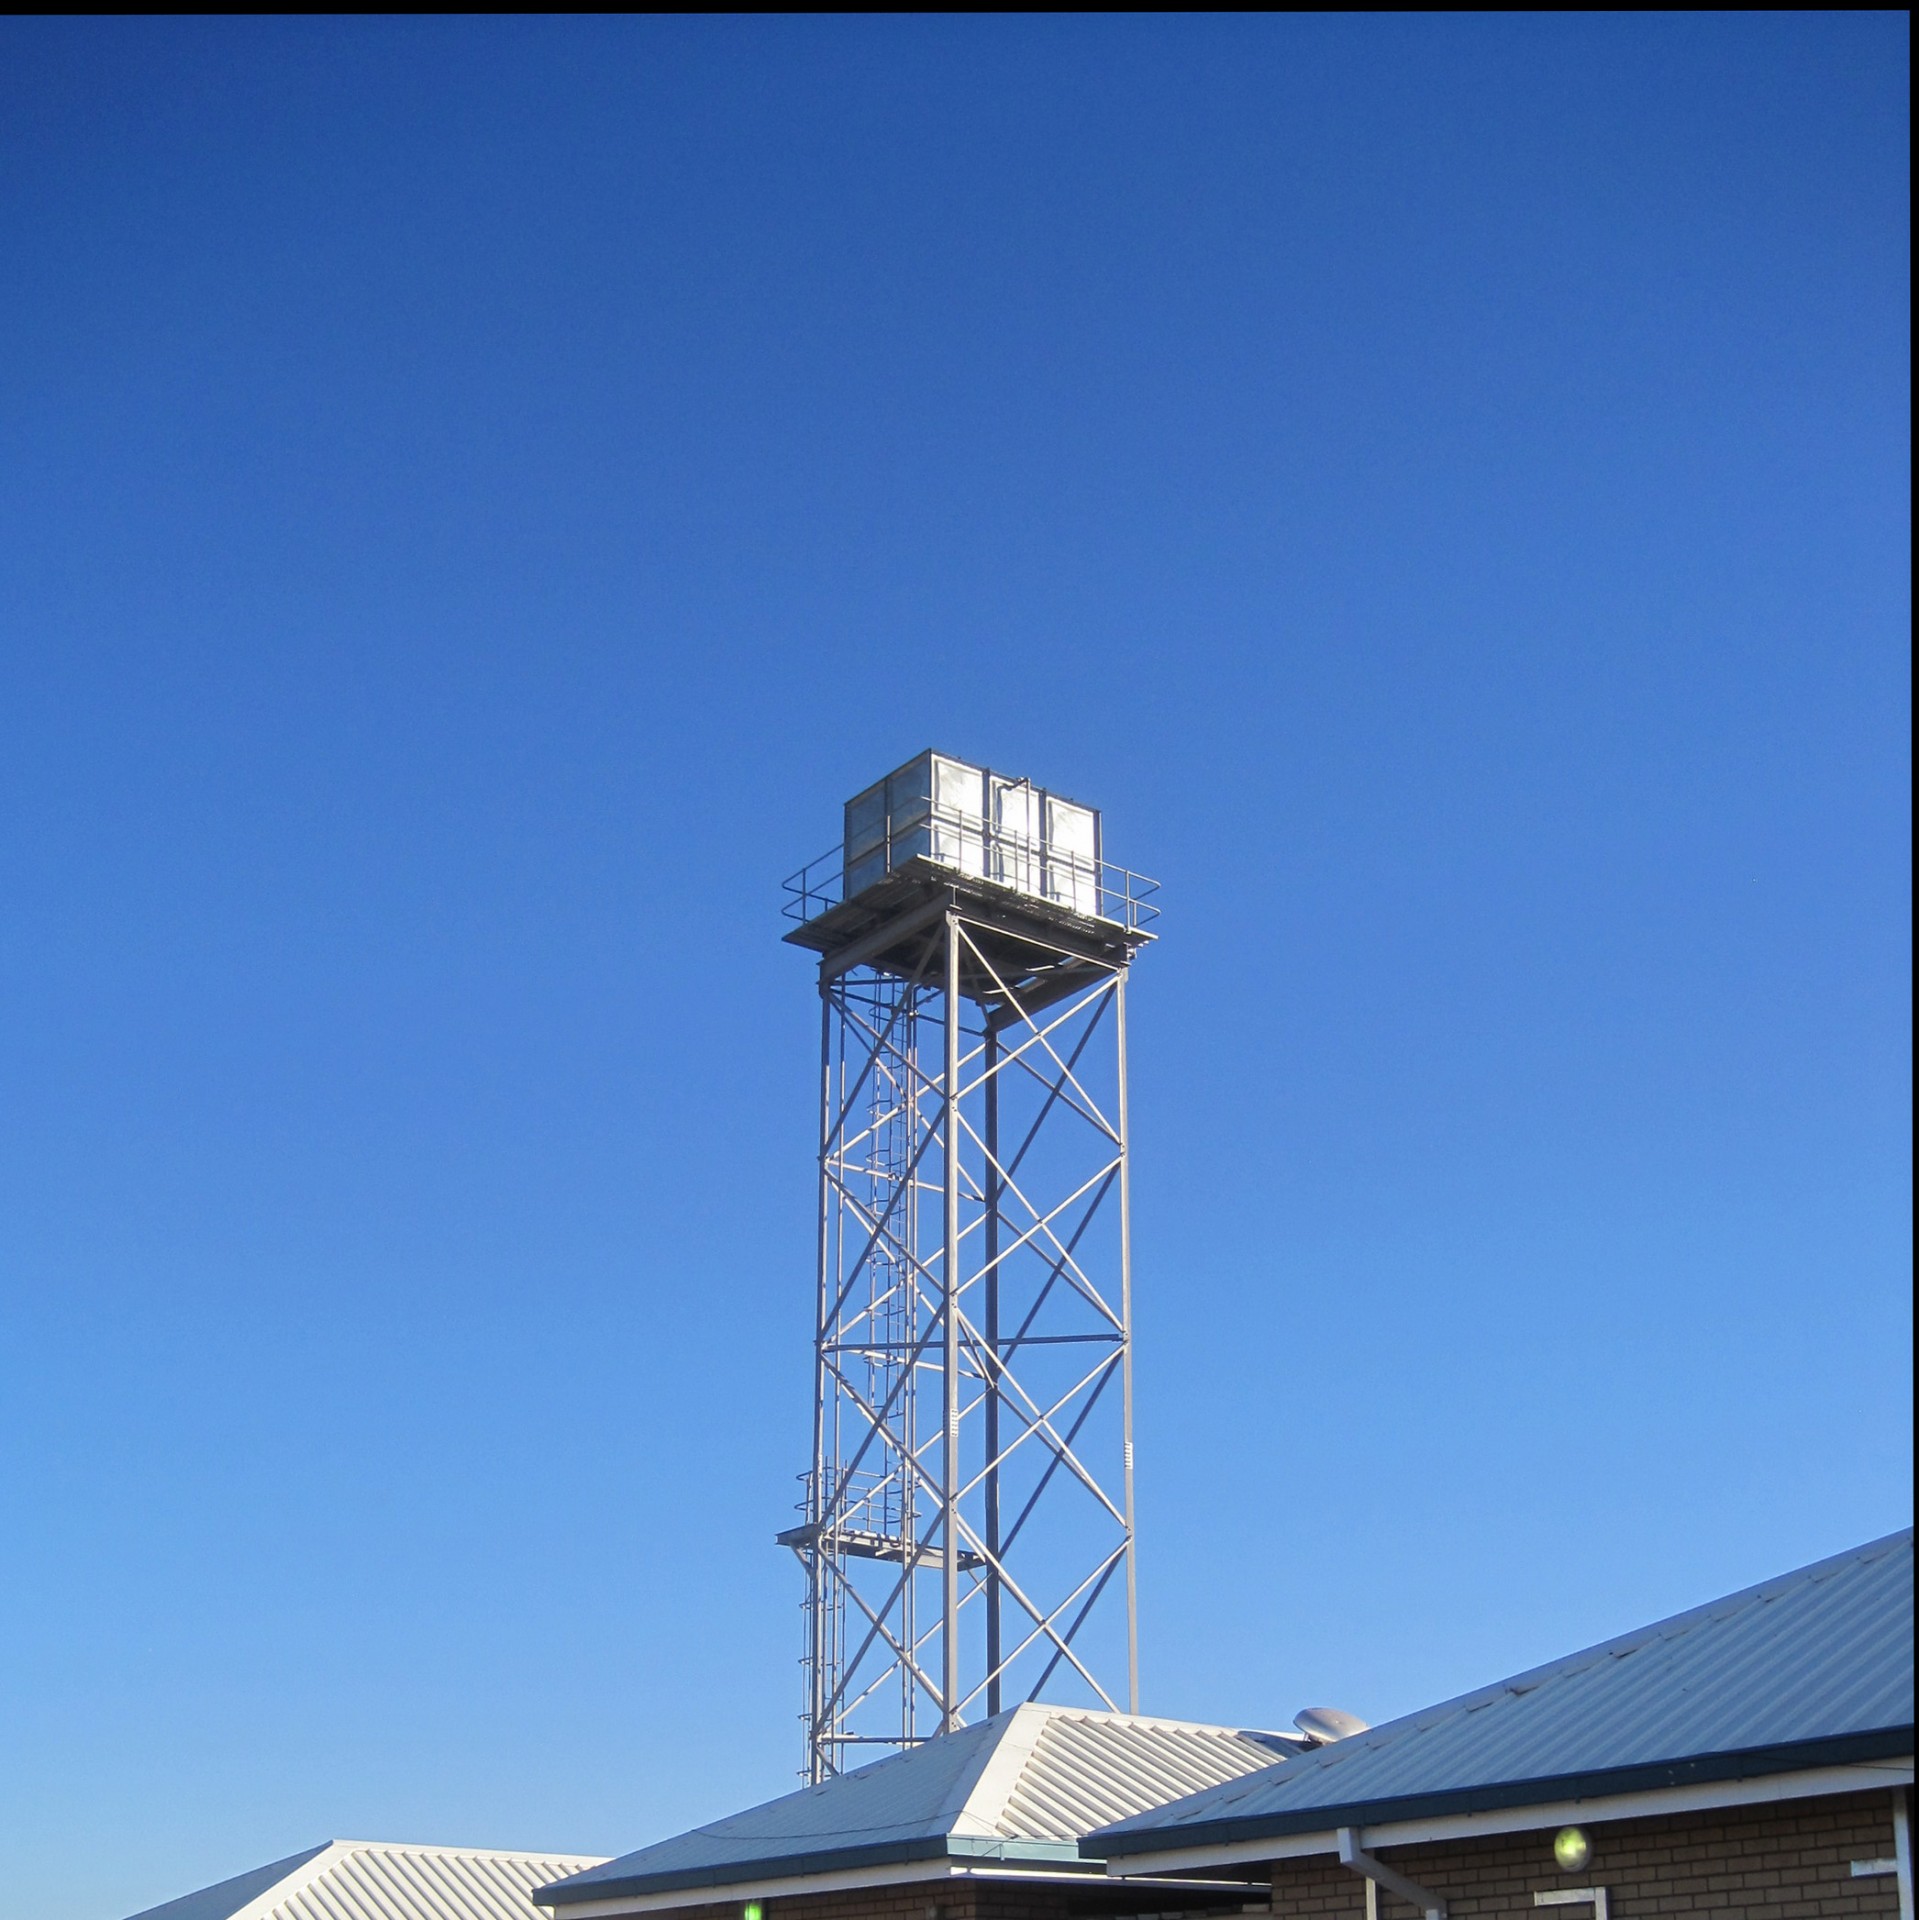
969 1504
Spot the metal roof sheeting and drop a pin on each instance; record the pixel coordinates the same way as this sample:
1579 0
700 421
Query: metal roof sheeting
906 1798
1088 1769
1025 1785
368 1880
228 1897
1822 1655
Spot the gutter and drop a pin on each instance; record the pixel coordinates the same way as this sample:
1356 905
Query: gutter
1355 1859
1699 1797
928 1876
1603 1783
1043 1856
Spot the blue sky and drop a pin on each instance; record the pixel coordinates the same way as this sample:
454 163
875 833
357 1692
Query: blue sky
476 497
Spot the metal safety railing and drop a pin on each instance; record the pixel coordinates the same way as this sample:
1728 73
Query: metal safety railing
978 851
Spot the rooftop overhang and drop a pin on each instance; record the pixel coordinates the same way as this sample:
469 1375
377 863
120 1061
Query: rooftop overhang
910 1863
1849 1763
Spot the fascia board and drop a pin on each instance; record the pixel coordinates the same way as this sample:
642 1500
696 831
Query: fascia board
903 1873
1698 1797
729 1879
1601 1783
923 1857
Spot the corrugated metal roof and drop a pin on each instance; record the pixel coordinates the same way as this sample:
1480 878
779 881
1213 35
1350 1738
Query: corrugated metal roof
1025 1785
1817 1661
1087 1769
904 1799
369 1880
228 1897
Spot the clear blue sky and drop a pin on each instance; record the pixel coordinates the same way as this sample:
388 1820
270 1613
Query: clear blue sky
474 499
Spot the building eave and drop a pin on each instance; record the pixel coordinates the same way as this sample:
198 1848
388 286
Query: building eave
829 1869
1240 1835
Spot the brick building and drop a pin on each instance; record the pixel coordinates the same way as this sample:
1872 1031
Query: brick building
1752 1756
985 1823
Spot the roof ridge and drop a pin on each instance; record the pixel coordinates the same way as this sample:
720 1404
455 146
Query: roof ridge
1114 1716
1006 1763
471 1853
302 1877
196 1901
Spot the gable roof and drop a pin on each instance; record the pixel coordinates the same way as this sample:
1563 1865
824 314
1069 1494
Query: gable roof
1022 1786
369 1880
1814 1668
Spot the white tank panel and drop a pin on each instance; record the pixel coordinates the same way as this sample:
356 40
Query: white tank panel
1072 855
1016 834
959 815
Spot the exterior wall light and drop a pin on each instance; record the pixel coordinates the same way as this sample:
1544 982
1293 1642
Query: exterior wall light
753 1910
1571 1851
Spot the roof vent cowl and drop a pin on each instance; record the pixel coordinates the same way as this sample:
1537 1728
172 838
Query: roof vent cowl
1323 1725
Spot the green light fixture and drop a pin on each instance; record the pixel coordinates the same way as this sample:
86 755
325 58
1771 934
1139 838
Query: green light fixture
1571 1849
753 1910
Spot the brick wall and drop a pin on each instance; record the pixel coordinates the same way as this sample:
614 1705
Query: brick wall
1788 1861
952 1901
944 1899
1791 1860
1096 1898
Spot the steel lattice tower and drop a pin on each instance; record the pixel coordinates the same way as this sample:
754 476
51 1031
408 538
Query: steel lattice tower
967 1517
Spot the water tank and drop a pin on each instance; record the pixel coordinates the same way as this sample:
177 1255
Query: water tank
986 825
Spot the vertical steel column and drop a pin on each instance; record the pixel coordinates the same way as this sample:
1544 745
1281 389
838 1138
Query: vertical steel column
950 1310
820 1660
1126 1359
989 1064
